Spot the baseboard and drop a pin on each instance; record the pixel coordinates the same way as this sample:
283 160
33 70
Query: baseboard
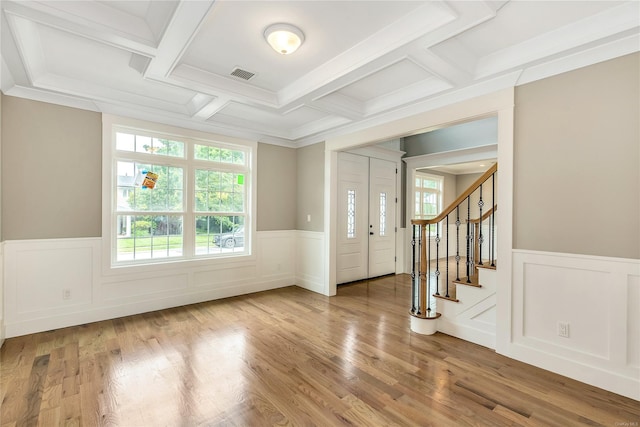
623 385
310 284
467 333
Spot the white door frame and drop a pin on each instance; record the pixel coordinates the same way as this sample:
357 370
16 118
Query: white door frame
500 104
395 157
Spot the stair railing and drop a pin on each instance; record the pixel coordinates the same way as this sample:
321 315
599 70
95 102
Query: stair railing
423 278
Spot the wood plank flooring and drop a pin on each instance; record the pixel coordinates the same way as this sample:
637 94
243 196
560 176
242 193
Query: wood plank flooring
286 357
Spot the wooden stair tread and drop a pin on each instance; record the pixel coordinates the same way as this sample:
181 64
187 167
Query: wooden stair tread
429 315
487 266
474 281
449 298
453 294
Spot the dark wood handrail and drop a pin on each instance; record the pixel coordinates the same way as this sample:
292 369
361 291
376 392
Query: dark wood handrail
473 187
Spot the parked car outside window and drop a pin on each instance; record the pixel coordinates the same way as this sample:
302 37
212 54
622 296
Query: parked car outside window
230 240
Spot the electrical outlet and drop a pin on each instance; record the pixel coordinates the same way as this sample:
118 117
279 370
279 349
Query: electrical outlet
563 329
66 293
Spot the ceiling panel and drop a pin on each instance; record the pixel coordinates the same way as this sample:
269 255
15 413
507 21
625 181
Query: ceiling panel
65 54
233 35
387 80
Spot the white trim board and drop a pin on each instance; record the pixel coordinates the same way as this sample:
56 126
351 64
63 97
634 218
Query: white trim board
451 157
500 103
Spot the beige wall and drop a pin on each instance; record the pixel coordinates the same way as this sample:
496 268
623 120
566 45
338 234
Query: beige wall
276 205
310 188
1 98
1 248
577 161
464 181
52 168
51 171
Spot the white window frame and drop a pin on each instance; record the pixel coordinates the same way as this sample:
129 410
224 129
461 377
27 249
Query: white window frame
112 124
439 191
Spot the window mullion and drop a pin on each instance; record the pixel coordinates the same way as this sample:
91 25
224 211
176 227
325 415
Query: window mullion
189 230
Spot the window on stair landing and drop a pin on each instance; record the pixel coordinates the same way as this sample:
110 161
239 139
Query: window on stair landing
427 196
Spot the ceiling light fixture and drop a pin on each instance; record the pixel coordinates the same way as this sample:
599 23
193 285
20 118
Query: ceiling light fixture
284 38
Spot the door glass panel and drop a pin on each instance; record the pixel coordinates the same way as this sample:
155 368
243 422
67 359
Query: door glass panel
383 214
351 214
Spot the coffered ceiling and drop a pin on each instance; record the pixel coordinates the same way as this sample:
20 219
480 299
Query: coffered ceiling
362 62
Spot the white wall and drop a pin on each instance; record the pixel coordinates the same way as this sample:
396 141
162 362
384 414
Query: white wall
600 299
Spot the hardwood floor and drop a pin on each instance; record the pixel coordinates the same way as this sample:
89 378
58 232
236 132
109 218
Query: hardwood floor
285 357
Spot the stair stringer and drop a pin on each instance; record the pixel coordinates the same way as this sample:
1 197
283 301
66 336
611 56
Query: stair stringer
473 318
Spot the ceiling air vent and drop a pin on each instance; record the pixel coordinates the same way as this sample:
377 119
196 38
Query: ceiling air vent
243 74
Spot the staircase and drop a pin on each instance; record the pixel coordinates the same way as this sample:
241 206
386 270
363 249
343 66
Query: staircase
454 266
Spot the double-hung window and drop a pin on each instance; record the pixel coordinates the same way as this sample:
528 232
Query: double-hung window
428 196
175 198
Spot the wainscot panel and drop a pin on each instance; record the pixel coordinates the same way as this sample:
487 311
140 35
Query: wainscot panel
599 300
2 333
59 282
633 320
310 261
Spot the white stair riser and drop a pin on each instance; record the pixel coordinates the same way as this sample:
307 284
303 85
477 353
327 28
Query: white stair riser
473 317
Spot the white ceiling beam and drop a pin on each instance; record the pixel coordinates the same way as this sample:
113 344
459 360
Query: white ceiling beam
582 58
27 38
37 94
183 26
442 68
412 93
203 81
605 24
317 126
407 29
339 105
210 109
199 102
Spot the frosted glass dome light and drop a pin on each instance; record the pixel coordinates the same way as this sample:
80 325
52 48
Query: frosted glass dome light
284 38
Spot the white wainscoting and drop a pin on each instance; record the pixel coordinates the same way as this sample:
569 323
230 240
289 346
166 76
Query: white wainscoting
2 333
600 299
38 272
310 261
